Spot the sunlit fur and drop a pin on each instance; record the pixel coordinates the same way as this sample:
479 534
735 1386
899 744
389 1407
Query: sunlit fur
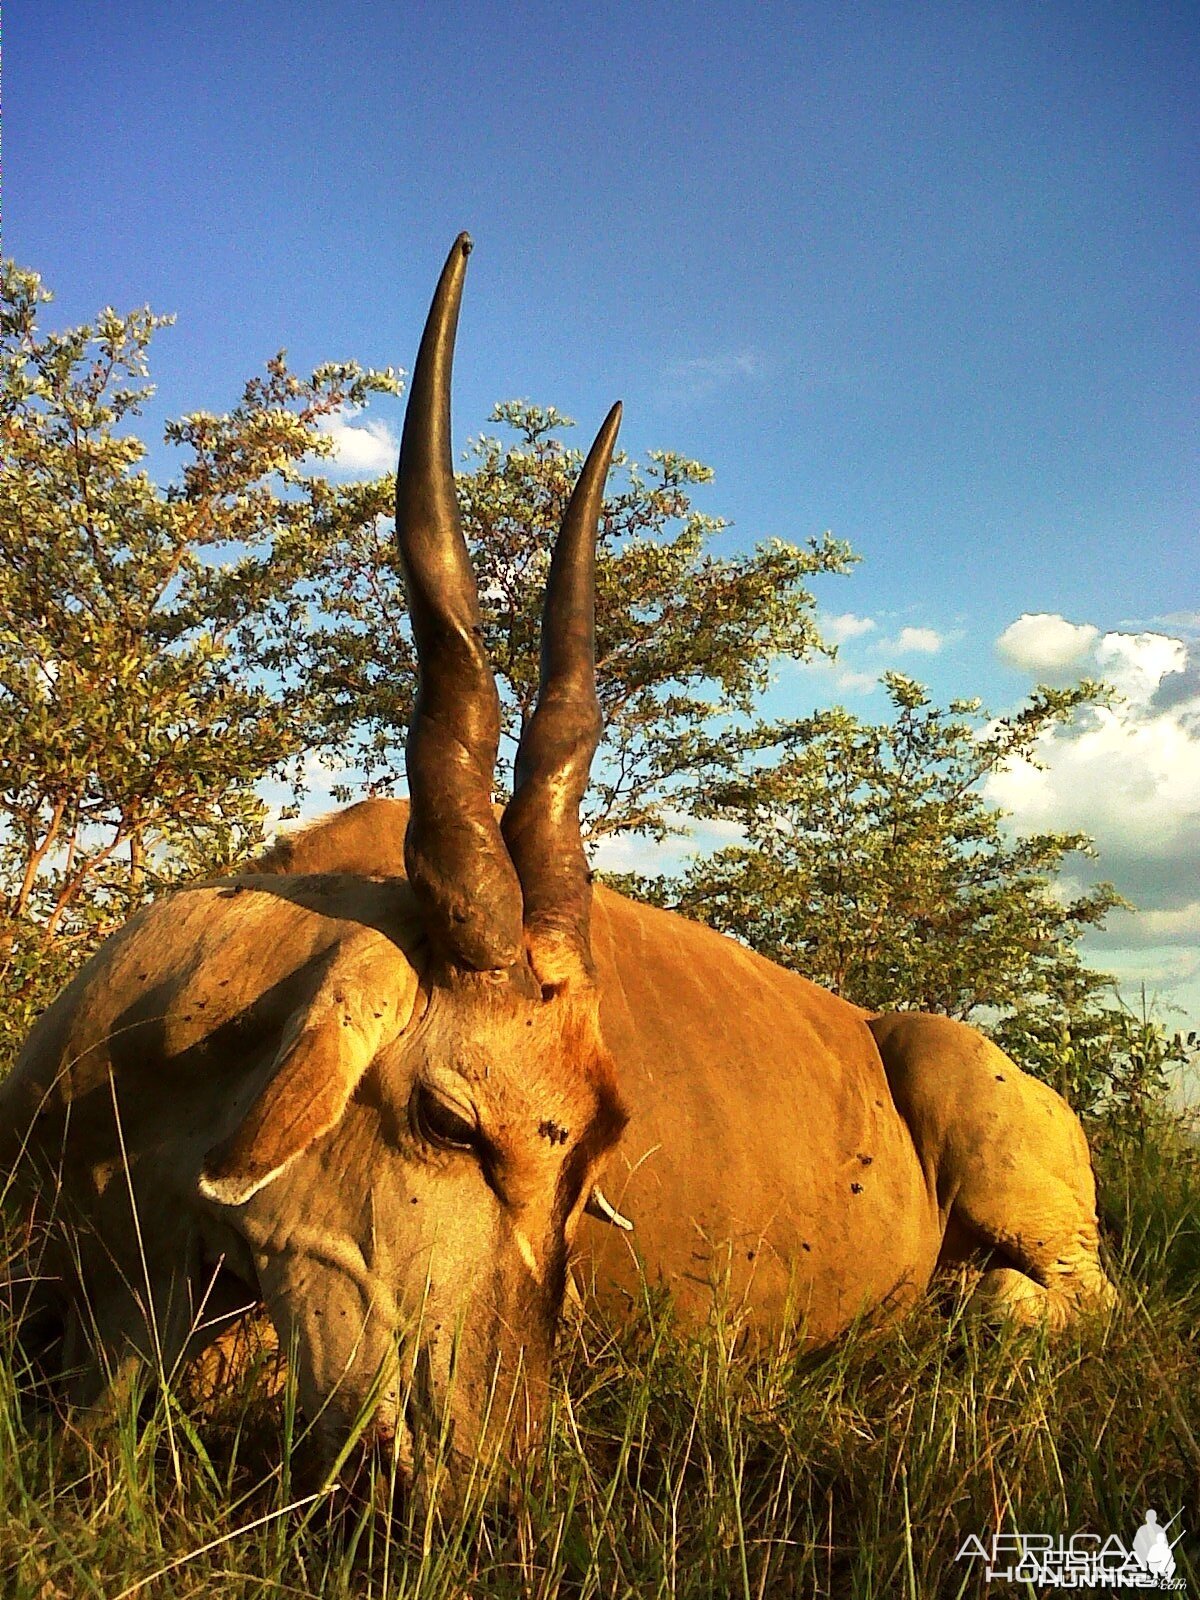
393 1267
785 1152
379 1106
793 1152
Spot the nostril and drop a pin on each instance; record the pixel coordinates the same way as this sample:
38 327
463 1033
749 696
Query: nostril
411 1414
378 1471
393 1459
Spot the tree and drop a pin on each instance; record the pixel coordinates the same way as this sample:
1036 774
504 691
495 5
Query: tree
165 649
873 864
138 624
1103 1055
685 638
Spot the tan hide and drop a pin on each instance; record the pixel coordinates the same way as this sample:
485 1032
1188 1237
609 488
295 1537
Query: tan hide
252 1050
788 1150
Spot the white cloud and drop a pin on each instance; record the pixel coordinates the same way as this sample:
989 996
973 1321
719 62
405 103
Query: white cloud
1136 663
852 682
1044 642
359 448
820 675
700 376
845 626
700 836
1146 668
625 853
320 775
1172 925
915 641
1127 774
1168 971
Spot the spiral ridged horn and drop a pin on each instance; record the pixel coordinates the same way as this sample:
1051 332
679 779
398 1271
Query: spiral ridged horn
454 854
541 821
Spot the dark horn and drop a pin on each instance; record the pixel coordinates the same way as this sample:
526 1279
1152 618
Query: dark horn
454 854
541 821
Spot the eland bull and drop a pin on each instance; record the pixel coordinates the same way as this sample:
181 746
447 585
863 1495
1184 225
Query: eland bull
393 1078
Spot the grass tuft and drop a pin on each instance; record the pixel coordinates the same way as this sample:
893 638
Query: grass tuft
673 1464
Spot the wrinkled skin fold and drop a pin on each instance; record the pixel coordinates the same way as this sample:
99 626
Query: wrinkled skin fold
376 1230
375 1081
785 1153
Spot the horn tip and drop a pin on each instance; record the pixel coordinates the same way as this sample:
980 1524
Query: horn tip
609 428
465 243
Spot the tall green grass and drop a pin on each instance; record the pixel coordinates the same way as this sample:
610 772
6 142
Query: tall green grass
675 1464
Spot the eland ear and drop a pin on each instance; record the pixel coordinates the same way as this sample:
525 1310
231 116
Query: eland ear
327 1046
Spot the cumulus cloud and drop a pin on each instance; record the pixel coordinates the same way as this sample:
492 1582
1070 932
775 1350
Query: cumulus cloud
913 642
1136 663
1045 643
1150 670
359 448
851 682
845 626
1129 775
1171 925
1180 687
823 677
320 774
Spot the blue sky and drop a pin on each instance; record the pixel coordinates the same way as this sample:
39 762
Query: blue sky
922 275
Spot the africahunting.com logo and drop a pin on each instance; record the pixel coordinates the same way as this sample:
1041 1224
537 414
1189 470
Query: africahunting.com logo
1081 1560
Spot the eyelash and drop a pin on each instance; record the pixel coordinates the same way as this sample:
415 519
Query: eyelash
440 1124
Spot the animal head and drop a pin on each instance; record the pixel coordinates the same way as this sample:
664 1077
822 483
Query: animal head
411 1175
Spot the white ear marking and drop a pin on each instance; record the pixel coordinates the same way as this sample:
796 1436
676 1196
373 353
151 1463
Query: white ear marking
236 1190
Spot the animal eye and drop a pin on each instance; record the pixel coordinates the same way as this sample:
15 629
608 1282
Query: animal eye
441 1123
